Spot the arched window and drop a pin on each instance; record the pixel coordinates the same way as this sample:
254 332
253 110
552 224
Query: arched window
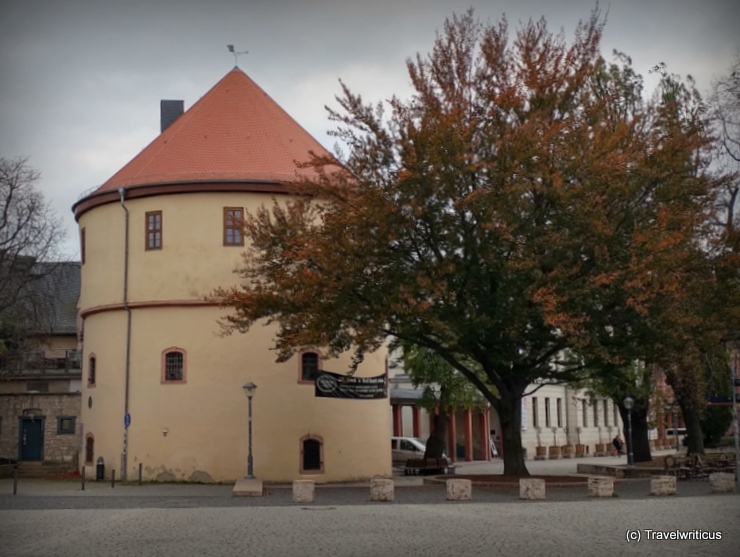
309 366
92 362
312 455
89 449
174 365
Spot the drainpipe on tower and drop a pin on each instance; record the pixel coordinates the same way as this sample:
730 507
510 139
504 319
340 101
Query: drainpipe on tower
124 454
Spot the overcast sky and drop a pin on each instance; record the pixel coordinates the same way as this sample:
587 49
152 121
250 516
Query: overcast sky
81 80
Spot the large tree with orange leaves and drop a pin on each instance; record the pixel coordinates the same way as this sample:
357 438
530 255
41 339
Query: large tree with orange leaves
491 217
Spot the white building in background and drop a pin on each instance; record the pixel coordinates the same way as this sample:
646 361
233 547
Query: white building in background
553 415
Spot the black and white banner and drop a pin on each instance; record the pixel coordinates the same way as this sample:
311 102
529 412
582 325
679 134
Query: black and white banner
334 385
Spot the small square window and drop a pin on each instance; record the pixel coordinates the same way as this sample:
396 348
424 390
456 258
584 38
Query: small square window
66 425
38 386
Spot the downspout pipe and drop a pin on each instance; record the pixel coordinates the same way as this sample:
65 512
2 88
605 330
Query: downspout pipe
124 454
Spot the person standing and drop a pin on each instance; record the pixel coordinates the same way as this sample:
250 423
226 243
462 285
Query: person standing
617 442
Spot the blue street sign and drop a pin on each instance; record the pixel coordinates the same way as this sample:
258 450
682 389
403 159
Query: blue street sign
127 420
723 399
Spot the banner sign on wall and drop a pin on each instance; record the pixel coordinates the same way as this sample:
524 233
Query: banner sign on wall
334 385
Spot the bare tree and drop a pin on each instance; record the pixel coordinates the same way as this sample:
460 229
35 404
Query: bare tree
30 236
726 107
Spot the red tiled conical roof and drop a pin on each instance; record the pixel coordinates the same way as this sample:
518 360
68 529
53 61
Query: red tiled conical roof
234 133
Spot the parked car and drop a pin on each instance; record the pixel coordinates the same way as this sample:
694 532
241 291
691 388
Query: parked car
404 448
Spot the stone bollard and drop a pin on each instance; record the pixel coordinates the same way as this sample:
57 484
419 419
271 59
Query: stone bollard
381 490
663 485
459 490
531 488
303 491
722 482
600 486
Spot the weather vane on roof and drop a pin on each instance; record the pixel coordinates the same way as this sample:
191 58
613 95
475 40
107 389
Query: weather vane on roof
236 54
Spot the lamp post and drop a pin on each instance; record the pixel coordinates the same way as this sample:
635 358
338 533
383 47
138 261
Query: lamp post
629 403
734 343
249 389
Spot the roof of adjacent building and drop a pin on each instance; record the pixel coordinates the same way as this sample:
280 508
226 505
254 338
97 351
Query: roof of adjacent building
47 300
234 133
61 283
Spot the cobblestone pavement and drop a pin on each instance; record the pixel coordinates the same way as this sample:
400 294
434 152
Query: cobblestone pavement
434 530
55 518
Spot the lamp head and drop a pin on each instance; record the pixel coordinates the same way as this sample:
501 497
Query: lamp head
249 389
629 403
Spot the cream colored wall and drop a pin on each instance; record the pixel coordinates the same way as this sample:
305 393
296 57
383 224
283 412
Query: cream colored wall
192 262
205 418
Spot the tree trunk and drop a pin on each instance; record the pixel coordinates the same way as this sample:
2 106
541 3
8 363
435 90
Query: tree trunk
640 440
510 414
693 428
437 442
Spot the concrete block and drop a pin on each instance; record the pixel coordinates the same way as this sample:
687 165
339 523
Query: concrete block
303 491
722 482
663 485
600 486
531 488
459 490
247 487
381 490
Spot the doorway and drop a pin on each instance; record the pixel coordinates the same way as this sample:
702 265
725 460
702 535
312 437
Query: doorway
31 440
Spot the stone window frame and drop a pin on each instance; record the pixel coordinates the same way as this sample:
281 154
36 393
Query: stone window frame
183 371
301 375
302 442
535 413
66 430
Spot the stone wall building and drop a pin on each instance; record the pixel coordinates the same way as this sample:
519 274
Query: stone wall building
40 375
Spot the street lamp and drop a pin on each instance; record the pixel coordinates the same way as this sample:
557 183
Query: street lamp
249 389
629 403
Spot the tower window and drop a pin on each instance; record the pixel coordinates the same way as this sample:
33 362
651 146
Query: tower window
233 226
91 371
312 458
309 366
154 230
174 365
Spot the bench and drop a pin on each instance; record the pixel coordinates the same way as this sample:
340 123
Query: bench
420 466
694 466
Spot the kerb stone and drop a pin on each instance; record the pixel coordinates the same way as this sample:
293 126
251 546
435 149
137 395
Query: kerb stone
459 490
663 485
722 482
303 491
531 488
381 490
600 486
